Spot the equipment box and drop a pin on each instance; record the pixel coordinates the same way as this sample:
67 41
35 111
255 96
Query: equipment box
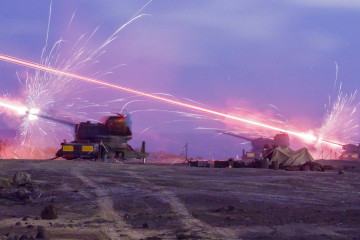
199 164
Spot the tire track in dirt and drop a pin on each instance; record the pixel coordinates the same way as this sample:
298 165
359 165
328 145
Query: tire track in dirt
188 221
108 212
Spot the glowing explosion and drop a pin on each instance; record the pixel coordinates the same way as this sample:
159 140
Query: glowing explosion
341 119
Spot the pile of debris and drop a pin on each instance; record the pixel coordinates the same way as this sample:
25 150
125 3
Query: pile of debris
19 188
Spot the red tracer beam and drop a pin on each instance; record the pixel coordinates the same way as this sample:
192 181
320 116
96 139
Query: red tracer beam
41 67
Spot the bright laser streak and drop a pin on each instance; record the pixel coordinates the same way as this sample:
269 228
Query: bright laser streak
21 110
33 113
304 136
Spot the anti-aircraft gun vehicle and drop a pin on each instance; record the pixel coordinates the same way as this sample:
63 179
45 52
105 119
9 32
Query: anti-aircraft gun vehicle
351 152
102 141
261 144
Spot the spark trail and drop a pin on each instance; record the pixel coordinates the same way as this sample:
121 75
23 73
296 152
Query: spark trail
304 136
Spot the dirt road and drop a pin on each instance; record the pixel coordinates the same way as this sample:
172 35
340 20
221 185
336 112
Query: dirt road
132 201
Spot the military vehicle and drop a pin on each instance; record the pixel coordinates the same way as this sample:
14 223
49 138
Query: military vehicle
99 141
351 152
102 141
261 145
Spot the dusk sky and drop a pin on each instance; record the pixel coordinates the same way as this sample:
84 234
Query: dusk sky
224 54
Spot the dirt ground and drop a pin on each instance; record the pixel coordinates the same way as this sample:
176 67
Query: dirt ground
133 201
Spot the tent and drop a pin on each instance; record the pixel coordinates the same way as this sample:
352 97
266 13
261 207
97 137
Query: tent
288 157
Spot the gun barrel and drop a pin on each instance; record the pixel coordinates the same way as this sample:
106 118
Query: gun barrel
235 135
64 122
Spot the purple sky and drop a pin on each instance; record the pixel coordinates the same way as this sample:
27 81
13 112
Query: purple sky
224 54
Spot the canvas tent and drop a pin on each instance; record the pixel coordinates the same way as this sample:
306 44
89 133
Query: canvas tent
288 157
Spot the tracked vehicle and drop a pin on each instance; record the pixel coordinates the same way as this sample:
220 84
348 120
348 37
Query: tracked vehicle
102 141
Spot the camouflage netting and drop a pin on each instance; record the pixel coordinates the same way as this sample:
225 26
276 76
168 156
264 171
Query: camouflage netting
285 156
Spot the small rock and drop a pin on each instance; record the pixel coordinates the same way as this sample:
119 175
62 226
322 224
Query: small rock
21 178
25 218
341 172
5 183
145 225
18 224
49 212
30 226
37 218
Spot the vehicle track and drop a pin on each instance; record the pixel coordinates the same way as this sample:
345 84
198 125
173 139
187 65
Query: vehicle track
107 212
188 221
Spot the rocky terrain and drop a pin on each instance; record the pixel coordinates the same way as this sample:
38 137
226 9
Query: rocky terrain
56 199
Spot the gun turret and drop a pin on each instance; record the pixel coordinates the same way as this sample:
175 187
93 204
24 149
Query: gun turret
258 144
